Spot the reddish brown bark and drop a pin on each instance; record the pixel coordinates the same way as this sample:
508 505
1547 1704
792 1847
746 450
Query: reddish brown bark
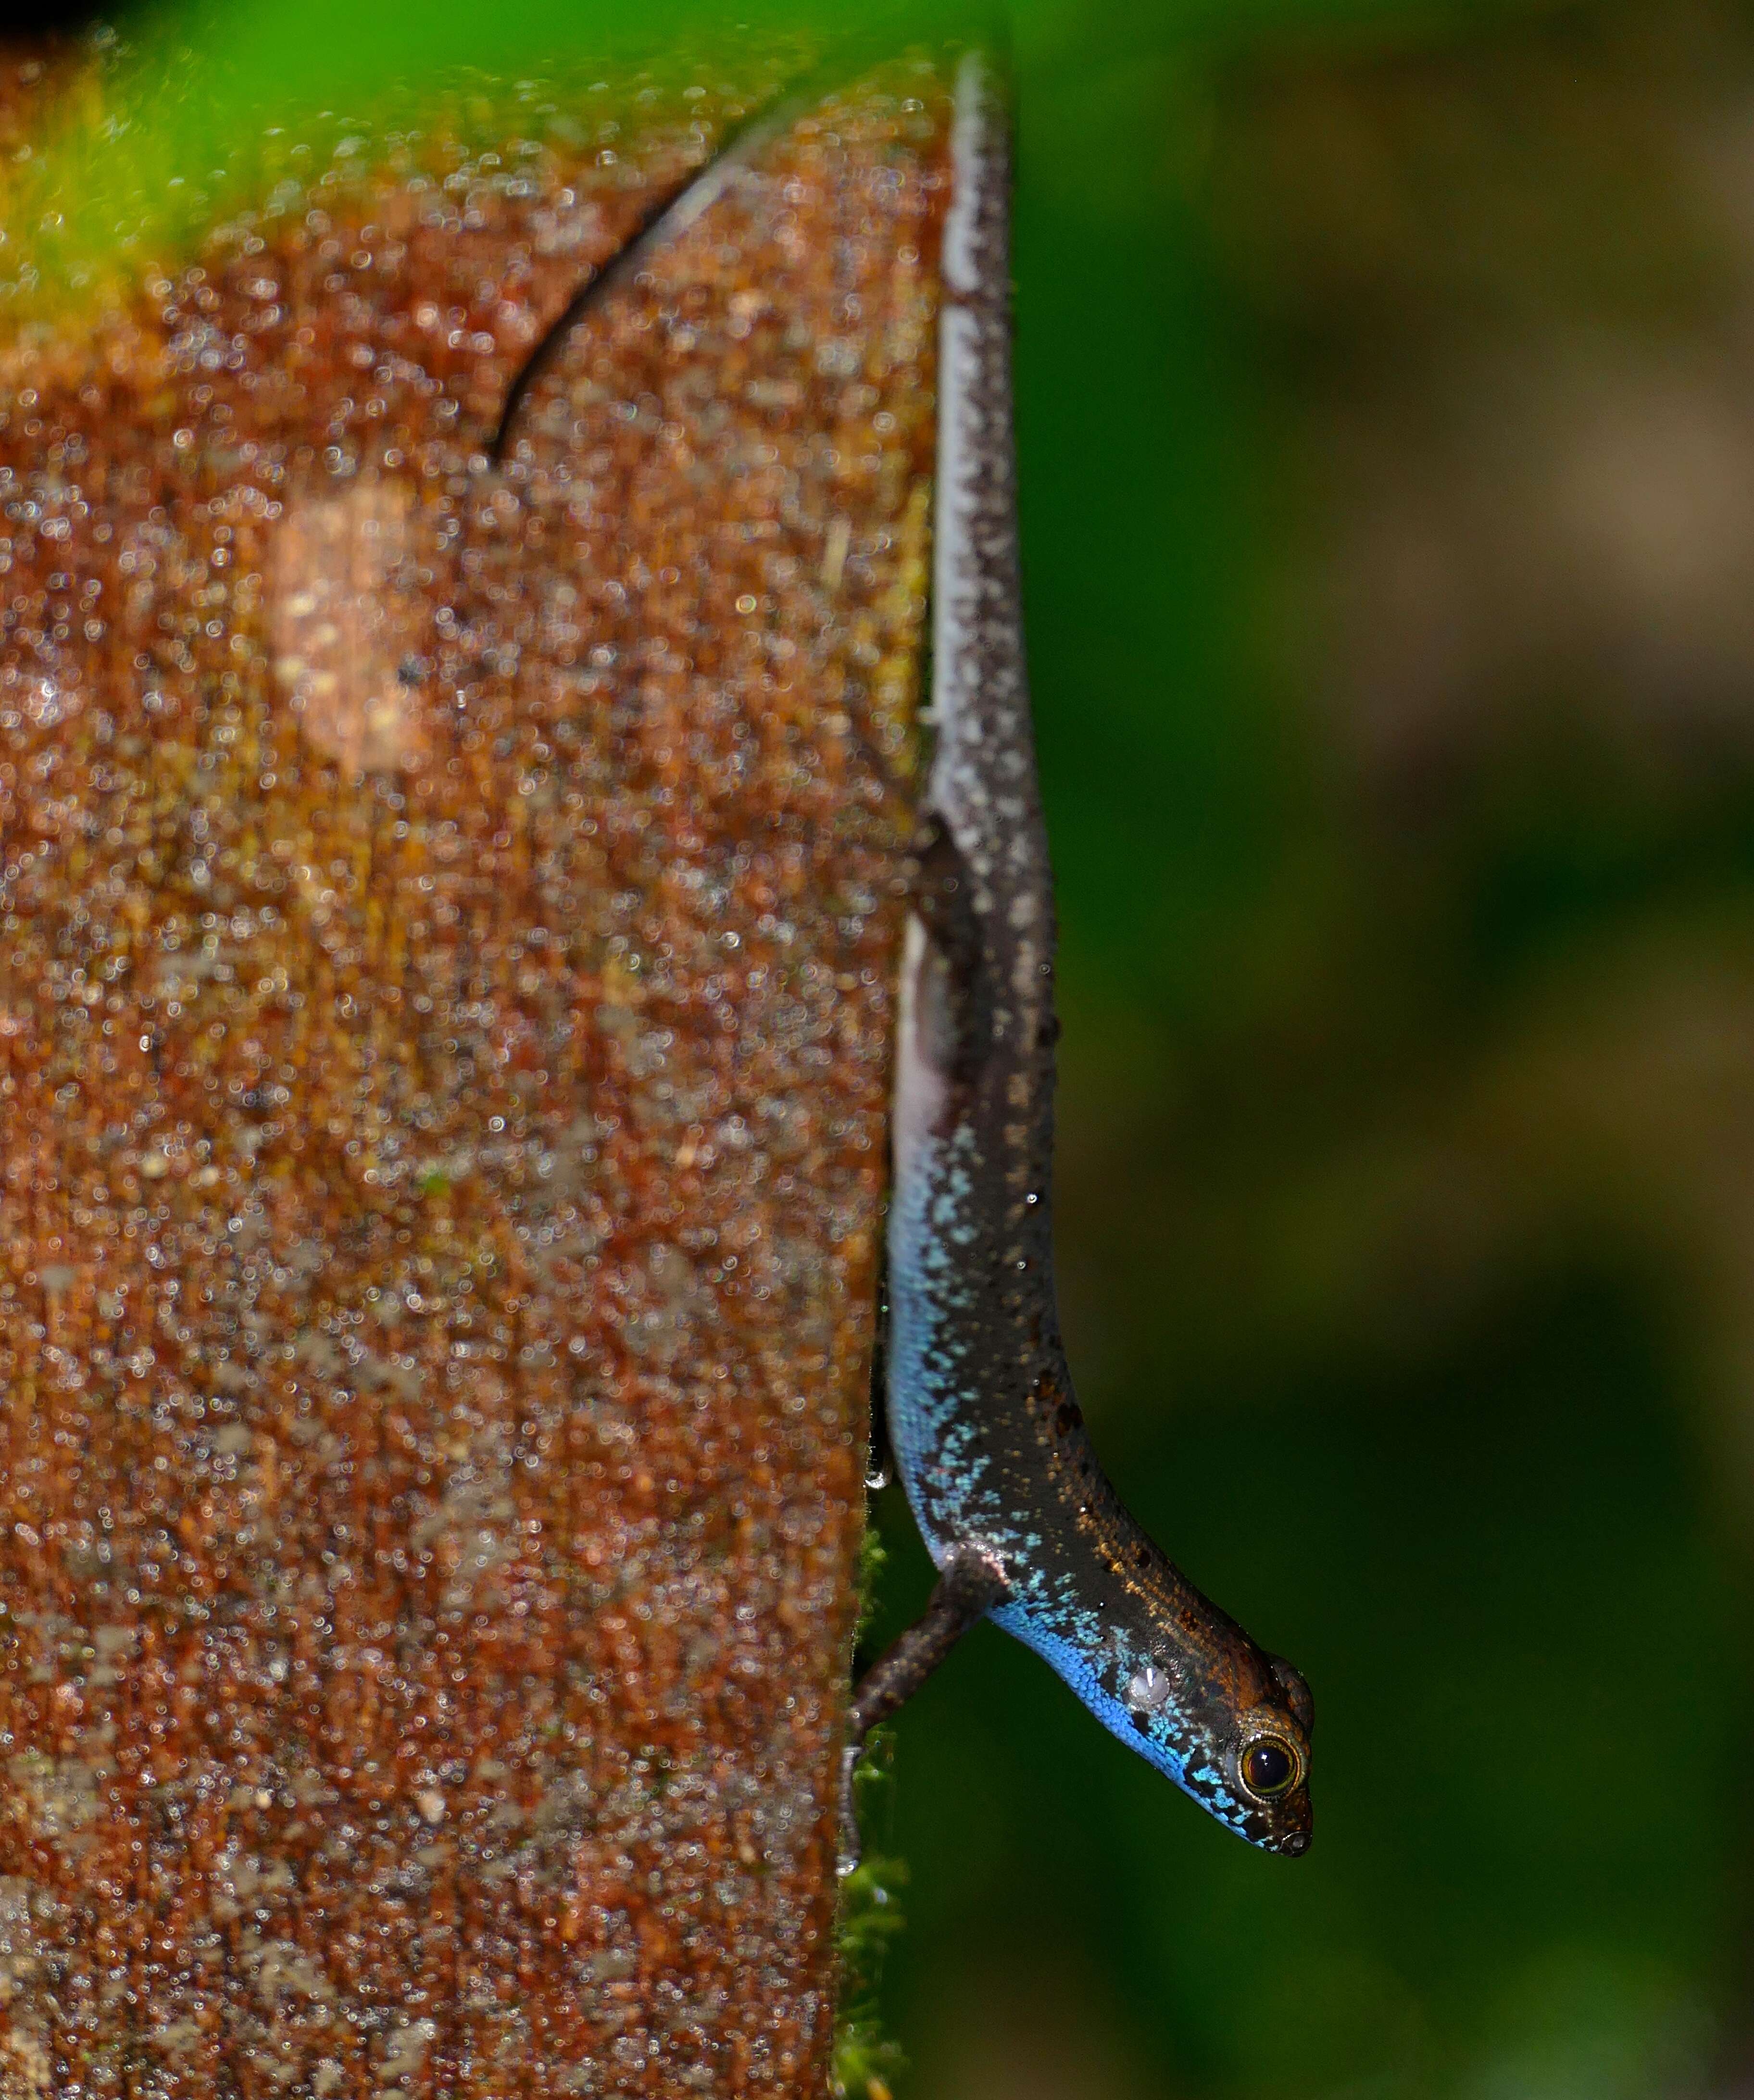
448 922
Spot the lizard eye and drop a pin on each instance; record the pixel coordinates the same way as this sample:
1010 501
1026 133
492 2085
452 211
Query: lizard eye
1269 1767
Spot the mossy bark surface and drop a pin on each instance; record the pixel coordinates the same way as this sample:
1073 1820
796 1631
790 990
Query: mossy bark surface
450 915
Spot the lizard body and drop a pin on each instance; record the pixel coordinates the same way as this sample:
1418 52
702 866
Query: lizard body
1006 1490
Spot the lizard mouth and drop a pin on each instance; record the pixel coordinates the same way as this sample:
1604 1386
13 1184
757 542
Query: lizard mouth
1283 1826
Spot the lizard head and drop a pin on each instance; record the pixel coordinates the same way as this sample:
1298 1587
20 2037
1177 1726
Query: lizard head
1230 1724
1269 1759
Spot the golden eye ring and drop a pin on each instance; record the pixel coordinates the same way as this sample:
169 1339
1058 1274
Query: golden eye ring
1269 1767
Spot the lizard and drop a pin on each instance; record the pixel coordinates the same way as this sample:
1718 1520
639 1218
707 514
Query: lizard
1020 1520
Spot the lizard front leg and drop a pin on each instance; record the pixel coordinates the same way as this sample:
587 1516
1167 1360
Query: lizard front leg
969 1584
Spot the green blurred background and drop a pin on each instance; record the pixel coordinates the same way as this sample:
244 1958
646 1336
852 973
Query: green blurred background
1387 424
1387 427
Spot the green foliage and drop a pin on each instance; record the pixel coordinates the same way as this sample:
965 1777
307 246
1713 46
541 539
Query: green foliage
873 1560
202 110
865 2060
211 112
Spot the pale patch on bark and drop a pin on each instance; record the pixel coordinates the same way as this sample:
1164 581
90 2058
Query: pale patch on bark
346 615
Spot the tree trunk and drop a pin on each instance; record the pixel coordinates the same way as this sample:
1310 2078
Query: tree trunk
449 922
